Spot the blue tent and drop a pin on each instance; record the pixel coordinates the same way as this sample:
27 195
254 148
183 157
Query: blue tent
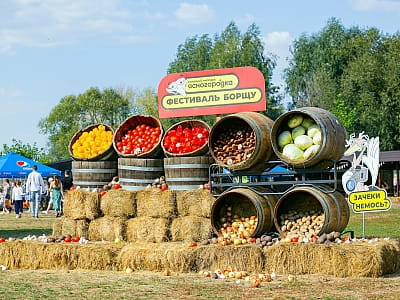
13 165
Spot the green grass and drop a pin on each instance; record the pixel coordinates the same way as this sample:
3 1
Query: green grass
82 284
377 224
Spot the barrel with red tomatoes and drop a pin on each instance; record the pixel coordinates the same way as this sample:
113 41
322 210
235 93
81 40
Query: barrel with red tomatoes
186 138
139 136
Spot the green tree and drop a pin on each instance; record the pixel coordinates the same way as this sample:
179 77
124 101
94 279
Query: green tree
362 67
30 151
229 49
74 113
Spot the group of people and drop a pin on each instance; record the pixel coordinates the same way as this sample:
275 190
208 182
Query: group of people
34 189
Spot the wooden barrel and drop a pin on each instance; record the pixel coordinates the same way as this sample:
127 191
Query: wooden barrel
245 203
130 124
332 142
138 173
93 174
190 124
187 173
241 141
108 154
303 199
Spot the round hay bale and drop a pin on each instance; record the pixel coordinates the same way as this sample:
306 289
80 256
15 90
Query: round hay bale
106 154
130 124
190 124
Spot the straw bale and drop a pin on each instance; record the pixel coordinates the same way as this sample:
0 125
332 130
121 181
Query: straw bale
37 255
247 258
191 229
176 257
81 204
147 229
359 259
194 203
107 229
155 203
57 226
118 203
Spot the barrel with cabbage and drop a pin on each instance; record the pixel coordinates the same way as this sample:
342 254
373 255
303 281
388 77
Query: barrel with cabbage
308 137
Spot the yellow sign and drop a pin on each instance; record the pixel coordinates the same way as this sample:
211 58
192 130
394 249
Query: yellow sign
216 98
370 201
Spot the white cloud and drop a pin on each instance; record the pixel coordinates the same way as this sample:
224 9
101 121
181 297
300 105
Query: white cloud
48 23
194 13
383 5
277 39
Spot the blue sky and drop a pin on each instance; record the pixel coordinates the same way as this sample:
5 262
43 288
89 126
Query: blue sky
53 48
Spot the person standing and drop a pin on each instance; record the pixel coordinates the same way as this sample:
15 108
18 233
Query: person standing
67 180
57 193
18 199
7 195
35 186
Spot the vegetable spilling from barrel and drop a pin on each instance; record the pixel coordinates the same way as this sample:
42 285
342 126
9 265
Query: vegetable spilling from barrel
305 223
301 139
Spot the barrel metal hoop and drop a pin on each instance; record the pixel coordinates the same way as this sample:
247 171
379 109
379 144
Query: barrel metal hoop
136 168
187 179
128 180
186 166
183 187
90 182
93 170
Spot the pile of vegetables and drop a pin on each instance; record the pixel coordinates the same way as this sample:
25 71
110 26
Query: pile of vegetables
185 140
92 143
235 229
302 223
301 140
138 140
234 145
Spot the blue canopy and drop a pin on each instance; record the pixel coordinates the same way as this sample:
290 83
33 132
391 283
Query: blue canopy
13 165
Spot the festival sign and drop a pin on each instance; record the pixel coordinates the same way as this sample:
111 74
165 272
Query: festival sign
210 92
363 197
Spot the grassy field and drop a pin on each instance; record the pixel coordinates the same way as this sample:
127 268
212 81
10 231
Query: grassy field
80 284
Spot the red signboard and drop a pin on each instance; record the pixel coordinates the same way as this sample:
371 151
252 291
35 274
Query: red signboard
211 92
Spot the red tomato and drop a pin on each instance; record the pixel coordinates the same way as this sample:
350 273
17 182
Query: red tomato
68 239
117 186
102 193
76 239
164 187
193 244
294 239
2 240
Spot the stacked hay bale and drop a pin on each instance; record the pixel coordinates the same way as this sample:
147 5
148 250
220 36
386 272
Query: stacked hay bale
194 211
117 206
155 210
80 207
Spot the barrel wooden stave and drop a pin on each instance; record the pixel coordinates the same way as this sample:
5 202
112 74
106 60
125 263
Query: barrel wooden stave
249 203
306 197
138 173
93 174
187 173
